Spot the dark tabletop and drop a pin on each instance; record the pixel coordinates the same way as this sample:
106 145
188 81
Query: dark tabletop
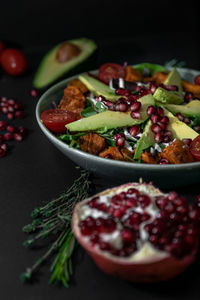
34 171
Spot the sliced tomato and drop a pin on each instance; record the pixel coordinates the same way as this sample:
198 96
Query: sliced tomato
109 71
197 80
195 147
56 119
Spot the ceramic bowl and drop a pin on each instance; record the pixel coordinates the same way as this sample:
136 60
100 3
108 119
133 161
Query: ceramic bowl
165 176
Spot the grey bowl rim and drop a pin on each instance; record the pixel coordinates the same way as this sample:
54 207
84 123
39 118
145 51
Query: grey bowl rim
130 165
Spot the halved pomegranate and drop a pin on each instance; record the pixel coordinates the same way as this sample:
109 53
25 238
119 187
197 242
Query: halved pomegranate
138 233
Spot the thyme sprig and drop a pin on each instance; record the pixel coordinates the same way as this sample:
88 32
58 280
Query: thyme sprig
53 220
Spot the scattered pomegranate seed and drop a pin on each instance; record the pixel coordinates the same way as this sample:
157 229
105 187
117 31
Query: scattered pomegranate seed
4 146
10 116
188 96
4 110
3 125
108 156
34 93
8 136
100 98
164 120
11 129
136 115
122 107
155 128
187 141
11 102
180 116
158 137
19 114
134 130
18 137
135 107
160 111
197 128
152 87
163 161
151 110
155 118
120 141
186 121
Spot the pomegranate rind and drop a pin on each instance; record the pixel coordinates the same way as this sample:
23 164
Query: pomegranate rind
154 270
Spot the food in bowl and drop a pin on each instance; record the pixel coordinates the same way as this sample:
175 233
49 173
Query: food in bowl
135 114
137 232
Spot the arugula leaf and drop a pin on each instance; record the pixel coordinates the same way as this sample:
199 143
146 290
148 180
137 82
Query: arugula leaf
152 68
71 139
92 109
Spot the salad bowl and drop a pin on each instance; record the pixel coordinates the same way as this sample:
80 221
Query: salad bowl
165 176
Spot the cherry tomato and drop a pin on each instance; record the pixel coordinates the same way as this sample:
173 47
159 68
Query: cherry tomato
1 47
109 71
195 147
56 119
13 62
197 80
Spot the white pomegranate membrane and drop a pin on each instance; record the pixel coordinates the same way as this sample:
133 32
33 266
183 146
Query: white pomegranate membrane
137 220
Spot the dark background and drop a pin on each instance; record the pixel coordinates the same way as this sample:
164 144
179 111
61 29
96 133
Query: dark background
34 171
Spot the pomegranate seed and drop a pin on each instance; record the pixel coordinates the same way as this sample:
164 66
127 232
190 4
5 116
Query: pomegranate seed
136 115
138 88
19 114
122 92
118 135
104 246
94 238
135 107
11 102
144 201
134 130
188 96
152 87
135 217
145 217
197 128
18 137
2 152
173 88
120 141
155 128
1 138
132 191
4 146
4 99
160 111
128 236
164 120
148 227
151 110
17 106
4 104
8 136
11 109
144 92
162 125
194 215
123 107
153 239
94 202
108 156
180 116
22 130
186 121
155 118
11 129
168 133
187 141
181 210
158 137
100 98
4 110
166 139
3 125
34 93
133 98
131 203
10 116
197 199
163 161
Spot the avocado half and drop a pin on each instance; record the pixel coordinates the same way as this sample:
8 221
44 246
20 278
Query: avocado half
50 69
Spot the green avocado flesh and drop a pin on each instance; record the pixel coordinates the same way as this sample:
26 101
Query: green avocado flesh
98 88
145 141
111 119
174 78
179 129
165 97
50 69
191 109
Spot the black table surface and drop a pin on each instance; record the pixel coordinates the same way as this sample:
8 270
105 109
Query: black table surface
34 171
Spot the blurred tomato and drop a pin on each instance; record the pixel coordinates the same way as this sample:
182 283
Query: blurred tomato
13 62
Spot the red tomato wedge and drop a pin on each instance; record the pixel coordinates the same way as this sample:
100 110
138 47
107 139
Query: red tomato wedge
13 62
109 71
197 80
195 147
56 119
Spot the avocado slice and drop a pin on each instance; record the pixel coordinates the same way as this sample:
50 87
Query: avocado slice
179 129
111 119
146 140
98 87
50 69
174 78
153 68
192 109
165 97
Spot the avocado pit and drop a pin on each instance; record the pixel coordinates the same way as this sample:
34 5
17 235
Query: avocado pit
66 52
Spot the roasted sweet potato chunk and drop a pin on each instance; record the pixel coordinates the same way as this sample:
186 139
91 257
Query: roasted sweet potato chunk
73 100
81 86
190 87
92 143
177 153
148 158
133 75
116 153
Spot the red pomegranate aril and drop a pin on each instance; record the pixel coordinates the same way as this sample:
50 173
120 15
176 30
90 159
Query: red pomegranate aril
136 115
173 88
11 109
187 141
160 111
135 107
102 207
108 156
197 200
10 116
8 136
148 227
104 246
135 217
94 238
166 139
144 201
34 93
120 92
180 116
120 142
186 121
19 114
132 191
144 92
22 130
155 128
164 120
101 98
4 110
117 214
152 87
11 128
122 107
158 137
134 130
145 217
118 135
17 106
1 138
197 128
138 88
153 239
128 236
4 146
3 99
131 203
155 118
172 196
4 104
11 102
2 152
188 96
151 110
18 137
168 133
190 239
194 215
3 125
162 125
163 161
